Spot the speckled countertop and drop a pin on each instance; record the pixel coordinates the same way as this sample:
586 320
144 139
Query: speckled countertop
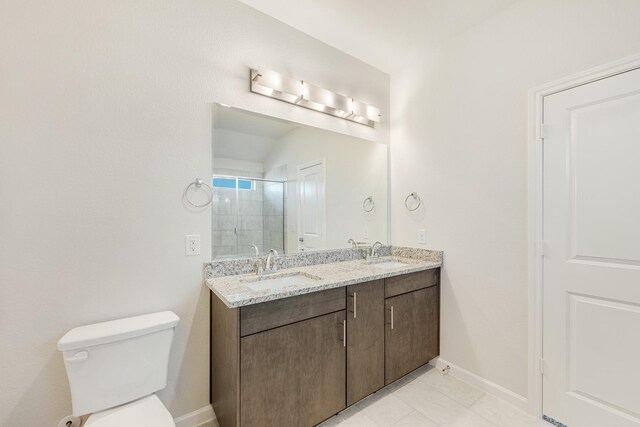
234 291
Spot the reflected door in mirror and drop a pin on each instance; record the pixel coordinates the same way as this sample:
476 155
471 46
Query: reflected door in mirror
311 216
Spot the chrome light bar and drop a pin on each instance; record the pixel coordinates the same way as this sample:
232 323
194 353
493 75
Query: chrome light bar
298 92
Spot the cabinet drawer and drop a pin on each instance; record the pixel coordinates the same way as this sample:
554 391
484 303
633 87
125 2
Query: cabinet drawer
411 282
272 314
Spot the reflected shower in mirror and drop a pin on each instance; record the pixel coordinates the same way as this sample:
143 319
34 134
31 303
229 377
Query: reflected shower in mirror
290 187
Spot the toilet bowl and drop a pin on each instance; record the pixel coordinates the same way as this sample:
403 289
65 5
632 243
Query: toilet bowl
145 412
115 368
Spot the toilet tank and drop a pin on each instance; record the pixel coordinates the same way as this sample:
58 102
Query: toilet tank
116 362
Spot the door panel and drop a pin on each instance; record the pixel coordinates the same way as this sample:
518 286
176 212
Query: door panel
311 205
411 331
605 154
598 329
365 340
592 253
293 375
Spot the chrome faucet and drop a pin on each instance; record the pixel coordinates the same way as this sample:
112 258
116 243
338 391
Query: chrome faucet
374 251
258 259
354 244
270 266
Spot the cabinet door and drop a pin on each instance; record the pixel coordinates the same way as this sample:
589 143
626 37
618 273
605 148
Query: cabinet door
365 339
411 331
293 375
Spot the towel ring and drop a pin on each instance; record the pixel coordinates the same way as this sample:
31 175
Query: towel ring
198 183
368 202
416 198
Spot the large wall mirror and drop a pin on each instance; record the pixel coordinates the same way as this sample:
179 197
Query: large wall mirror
290 187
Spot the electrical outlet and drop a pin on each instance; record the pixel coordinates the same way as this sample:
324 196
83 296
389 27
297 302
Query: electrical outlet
422 236
365 233
192 244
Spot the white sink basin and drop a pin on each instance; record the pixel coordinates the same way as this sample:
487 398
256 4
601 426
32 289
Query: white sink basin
386 264
279 281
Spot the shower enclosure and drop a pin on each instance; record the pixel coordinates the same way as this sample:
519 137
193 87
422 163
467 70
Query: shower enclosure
247 211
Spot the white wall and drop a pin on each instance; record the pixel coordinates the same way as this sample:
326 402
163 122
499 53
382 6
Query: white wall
240 165
241 146
354 170
459 139
105 114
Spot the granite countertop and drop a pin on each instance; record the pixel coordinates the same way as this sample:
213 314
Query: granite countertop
234 292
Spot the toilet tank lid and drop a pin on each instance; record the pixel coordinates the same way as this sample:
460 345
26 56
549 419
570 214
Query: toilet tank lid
117 330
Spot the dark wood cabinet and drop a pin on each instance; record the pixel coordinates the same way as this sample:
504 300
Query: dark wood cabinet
404 283
365 339
293 375
411 331
298 361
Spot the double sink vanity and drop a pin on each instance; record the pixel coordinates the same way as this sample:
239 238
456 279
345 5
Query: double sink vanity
299 337
297 346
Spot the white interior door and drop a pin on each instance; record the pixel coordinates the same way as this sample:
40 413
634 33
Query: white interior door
591 276
311 217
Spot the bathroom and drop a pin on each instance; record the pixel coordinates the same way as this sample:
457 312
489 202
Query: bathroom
108 114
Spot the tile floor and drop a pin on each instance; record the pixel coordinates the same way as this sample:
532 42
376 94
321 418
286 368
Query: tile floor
427 398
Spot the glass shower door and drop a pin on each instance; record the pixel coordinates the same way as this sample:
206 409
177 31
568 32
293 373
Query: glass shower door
225 217
246 212
250 218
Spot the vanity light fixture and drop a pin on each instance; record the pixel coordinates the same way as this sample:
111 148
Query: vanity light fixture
298 92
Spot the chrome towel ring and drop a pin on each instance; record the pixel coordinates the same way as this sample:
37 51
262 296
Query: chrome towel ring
198 184
416 199
368 203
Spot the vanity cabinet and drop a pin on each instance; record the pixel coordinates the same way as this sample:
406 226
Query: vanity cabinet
365 340
293 375
412 327
300 360
411 332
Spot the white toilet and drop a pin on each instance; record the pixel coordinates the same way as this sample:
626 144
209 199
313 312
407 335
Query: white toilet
115 367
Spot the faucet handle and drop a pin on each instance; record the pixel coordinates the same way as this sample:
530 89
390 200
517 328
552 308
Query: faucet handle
256 250
270 265
374 249
259 266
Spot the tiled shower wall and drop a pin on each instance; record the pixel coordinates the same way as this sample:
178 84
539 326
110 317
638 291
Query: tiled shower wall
275 195
245 214
273 214
257 215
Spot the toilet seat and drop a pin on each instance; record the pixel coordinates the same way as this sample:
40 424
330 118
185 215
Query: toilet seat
146 412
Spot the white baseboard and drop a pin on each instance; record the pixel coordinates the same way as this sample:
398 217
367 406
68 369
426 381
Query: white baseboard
483 384
206 414
196 418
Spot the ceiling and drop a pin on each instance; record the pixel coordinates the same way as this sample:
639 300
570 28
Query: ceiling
384 33
249 123
249 137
